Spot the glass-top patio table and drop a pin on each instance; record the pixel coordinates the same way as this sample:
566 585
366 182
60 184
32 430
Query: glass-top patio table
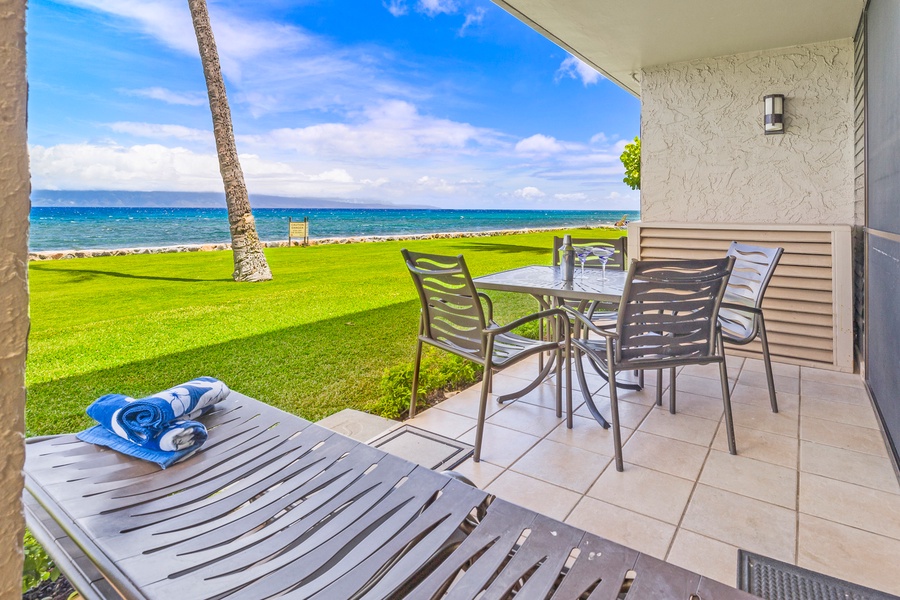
546 285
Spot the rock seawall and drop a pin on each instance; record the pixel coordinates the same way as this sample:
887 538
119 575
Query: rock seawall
65 254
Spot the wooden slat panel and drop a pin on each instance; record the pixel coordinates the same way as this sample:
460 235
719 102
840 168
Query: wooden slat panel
801 298
792 259
728 235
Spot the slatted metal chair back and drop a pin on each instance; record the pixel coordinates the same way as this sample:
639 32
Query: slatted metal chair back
669 308
452 314
753 269
619 259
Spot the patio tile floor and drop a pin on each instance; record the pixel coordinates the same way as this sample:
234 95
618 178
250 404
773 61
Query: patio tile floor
811 485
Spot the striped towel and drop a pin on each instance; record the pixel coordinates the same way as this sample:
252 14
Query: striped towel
159 428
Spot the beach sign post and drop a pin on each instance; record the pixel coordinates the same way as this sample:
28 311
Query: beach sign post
298 229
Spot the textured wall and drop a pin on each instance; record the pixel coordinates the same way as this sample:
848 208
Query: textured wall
704 154
14 206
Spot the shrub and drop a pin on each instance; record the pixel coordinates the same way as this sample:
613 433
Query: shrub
39 567
439 372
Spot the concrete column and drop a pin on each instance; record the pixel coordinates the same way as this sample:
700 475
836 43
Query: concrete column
15 189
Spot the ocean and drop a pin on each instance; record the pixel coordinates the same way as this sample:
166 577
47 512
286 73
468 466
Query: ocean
82 228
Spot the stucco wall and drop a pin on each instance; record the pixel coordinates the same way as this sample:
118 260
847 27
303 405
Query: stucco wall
14 205
704 154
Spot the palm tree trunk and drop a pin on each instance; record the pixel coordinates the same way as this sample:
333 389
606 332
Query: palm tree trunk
249 260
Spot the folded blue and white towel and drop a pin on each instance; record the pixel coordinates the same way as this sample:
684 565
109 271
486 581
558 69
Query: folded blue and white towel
158 428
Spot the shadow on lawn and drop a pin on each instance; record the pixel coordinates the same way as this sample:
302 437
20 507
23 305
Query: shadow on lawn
311 370
503 248
87 273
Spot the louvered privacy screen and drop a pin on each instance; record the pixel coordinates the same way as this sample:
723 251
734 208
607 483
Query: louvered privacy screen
808 306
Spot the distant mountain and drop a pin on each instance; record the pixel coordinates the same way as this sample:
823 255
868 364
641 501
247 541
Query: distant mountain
191 200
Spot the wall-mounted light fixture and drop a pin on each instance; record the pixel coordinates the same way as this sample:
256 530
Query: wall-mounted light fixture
774 105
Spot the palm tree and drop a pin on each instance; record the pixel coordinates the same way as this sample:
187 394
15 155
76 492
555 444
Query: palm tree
249 260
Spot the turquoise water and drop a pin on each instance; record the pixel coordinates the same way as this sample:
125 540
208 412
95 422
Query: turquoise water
74 228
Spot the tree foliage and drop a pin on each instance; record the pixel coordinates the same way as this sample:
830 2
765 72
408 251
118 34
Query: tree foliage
631 158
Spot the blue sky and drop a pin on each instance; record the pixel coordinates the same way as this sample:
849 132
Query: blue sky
451 103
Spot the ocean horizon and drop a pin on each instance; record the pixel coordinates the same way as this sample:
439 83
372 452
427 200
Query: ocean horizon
104 228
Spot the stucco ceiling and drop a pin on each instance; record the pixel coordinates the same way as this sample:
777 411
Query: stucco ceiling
619 37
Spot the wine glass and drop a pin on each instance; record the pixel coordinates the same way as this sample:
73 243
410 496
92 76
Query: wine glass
582 252
603 254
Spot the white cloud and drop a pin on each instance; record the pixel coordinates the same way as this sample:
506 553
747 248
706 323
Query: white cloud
539 144
473 18
571 196
397 8
152 130
334 175
436 7
389 129
529 193
169 96
577 69
599 138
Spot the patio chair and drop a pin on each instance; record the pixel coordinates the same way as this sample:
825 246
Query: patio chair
668 317
741 315
453 319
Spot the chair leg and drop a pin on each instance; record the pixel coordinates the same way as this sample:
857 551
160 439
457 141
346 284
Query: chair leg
672 390
614 409
768 362
726 398
482 412
566 355
659 387
559 382
415 380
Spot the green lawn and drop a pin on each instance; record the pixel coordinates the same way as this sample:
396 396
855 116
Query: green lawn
312 342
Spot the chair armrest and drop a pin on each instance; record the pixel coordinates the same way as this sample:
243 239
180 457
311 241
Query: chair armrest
590 325
544 314
490 305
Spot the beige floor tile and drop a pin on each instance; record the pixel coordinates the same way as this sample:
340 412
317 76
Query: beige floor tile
630 414
665 454
841 435
466 403
442 422
527 369
540 496
679 426
761 445
840 412
587 434
706 556
648 492
481 473
566 466
735 363
833 377
836 393
778 368
758 396
762 418
695 405
710 371
845 465
741 521
507 384
788 385
545 395
626 527
646 396
700 385
501 446
850 504
527 418
753 478
848 553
